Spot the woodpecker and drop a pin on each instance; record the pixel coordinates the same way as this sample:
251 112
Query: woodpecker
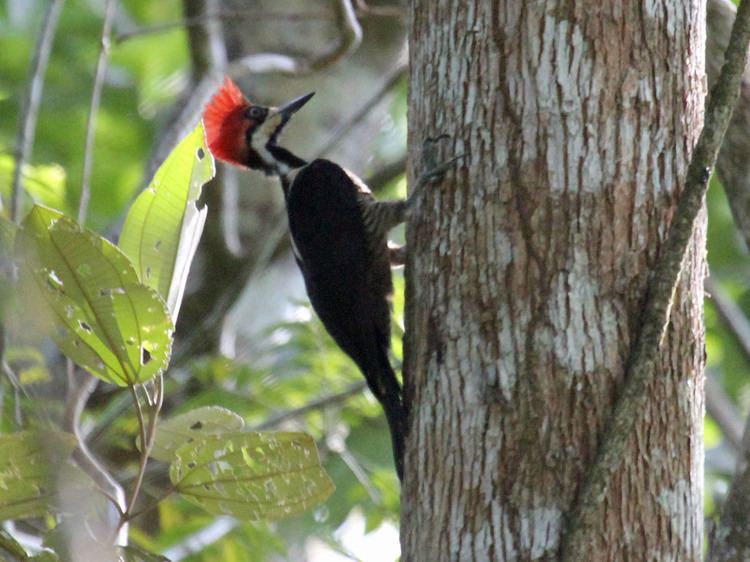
339 238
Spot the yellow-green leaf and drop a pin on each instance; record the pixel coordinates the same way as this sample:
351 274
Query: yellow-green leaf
90 300
164 225
251 475
171 434
29 465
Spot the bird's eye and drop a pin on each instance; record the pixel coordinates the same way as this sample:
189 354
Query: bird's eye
254 112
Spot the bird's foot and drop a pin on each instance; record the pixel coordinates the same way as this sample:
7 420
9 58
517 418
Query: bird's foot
433 171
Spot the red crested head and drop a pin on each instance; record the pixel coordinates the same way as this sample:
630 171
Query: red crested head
226 124
245 134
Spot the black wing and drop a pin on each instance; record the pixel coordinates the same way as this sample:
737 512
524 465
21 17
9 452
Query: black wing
348 286
330 241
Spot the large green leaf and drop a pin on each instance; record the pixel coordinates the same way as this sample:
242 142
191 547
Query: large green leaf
164 225
90 300
29 465
251 475
173 433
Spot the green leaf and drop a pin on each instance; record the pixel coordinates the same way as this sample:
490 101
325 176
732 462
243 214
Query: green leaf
43 183
45 556
251 475
89 299
10 547
208 420
29 465
164 225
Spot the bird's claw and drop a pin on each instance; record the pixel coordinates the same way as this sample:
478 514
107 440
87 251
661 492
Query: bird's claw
433 170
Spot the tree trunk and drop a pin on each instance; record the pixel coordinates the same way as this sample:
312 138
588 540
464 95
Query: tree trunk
527 272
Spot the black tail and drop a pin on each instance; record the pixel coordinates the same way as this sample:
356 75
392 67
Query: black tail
383 383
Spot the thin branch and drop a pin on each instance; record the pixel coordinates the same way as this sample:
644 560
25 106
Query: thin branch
734 319
723 411
733 166
96 96
233 15
80 387
318 404
645 354
731 540
145 449
337 135
32 100
153 504
17 390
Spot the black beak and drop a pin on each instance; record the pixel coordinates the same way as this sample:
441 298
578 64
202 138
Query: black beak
291 107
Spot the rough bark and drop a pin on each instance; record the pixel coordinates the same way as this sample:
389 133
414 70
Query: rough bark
528 270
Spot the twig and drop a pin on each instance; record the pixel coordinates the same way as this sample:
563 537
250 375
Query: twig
642 362
723 411
80 387
17 390
31 102
153 504
96 96
146 442
233 15
733 317
318 404
732 166
731 540
392 78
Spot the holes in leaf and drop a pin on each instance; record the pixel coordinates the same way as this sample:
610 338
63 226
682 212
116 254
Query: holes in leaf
54 279
197 425
200 153
85 327
105 292
145 356
148 272
191 465
54 283
157 245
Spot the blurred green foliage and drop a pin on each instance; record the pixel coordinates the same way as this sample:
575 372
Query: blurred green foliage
147 73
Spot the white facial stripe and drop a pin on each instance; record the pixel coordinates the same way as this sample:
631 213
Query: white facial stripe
261 136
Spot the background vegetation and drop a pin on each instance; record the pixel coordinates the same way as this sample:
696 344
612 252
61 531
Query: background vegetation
278 369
